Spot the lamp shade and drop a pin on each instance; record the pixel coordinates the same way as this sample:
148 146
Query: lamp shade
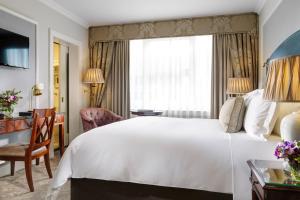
37 89
93 75
239 85
283 82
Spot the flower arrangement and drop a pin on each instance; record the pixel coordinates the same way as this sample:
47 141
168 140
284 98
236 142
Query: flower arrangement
290 152
8 99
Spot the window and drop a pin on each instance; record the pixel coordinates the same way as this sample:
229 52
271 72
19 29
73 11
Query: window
172 75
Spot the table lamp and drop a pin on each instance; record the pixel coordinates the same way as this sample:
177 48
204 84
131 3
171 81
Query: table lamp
283 85
93 76
238 86
36 90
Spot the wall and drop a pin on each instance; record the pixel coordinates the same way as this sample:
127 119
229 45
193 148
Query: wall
48 19
23 79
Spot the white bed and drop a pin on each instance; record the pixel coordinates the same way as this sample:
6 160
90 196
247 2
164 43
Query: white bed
183 153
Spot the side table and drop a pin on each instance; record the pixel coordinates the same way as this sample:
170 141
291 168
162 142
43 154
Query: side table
270 181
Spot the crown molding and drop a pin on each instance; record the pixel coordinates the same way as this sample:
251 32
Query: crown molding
8 10
260 5
266 15
58 8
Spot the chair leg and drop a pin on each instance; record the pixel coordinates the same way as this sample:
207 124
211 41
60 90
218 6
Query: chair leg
12 167
37 161
47 163
29 174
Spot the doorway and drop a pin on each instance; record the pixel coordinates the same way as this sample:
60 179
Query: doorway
77 98
61 87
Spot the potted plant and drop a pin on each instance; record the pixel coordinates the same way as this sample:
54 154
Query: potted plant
8 100
290 152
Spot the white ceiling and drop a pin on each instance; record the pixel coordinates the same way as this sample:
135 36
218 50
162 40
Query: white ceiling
108 12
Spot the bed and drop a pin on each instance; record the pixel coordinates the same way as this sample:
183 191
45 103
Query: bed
161 158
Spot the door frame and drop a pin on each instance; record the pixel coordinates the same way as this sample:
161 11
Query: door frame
52 35
73 42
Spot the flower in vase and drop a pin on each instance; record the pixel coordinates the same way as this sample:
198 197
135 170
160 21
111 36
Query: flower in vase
8 99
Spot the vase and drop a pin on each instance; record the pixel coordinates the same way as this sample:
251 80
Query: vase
294 169
8 113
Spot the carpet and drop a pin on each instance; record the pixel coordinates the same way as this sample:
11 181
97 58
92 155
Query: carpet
16 188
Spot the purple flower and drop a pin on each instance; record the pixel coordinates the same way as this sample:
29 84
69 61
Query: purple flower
287 150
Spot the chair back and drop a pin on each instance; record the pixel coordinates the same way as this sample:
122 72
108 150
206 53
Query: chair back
95 117
42 129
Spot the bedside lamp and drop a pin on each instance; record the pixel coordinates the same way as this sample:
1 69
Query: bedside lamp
238 86
283 85
93 76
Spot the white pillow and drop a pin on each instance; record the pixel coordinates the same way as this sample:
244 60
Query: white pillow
260 116
249 96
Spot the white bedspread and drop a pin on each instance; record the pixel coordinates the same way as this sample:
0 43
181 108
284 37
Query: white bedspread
184 153
245 147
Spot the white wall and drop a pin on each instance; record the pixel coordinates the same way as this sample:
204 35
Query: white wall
265 14
47 19
18 78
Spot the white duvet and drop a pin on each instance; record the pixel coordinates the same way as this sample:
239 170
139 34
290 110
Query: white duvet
184 153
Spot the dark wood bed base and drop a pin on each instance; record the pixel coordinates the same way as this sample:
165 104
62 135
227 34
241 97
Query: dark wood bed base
93 189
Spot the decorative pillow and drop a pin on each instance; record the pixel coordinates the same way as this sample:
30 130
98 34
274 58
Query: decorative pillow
260 117
232 114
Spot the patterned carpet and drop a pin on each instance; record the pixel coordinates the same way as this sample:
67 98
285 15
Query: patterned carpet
16 188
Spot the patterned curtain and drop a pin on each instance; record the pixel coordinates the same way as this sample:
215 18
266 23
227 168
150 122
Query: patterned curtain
234 55
113 59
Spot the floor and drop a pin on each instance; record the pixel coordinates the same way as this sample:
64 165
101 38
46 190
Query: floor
16 188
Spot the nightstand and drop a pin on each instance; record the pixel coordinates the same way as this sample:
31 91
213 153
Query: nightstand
270 182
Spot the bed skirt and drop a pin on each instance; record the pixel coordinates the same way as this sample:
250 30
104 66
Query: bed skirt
94 189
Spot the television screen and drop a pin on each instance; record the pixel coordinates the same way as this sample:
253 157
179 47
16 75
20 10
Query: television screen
14 49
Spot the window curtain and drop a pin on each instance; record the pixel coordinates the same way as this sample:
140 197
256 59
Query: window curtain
234 55
172 75
113 59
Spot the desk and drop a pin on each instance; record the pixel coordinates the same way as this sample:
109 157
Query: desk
9 126
270 182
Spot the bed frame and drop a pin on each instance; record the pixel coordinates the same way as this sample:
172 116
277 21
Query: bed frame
94 189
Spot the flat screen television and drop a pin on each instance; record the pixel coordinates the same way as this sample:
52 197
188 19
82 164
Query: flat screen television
14 49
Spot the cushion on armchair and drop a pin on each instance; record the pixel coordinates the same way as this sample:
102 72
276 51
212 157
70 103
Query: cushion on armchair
95 117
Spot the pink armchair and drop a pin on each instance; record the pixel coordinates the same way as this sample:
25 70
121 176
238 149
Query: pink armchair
95 117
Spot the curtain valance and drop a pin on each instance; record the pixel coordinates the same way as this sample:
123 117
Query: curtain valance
173 28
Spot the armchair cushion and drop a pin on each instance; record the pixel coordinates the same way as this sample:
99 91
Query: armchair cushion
95 117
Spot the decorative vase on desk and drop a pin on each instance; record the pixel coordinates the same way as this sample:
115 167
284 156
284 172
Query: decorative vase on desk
295 170
8 100
290 152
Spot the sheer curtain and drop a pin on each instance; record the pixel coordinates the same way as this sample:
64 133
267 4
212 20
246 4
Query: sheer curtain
172 75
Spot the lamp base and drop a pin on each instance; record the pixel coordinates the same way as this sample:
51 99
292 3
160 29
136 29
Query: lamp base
290 127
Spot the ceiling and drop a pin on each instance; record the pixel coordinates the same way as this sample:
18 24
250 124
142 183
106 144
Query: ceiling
108 12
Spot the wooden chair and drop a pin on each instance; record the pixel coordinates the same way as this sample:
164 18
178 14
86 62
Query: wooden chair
42 129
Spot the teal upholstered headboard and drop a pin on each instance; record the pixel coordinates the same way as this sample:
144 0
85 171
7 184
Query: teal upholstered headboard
290 47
